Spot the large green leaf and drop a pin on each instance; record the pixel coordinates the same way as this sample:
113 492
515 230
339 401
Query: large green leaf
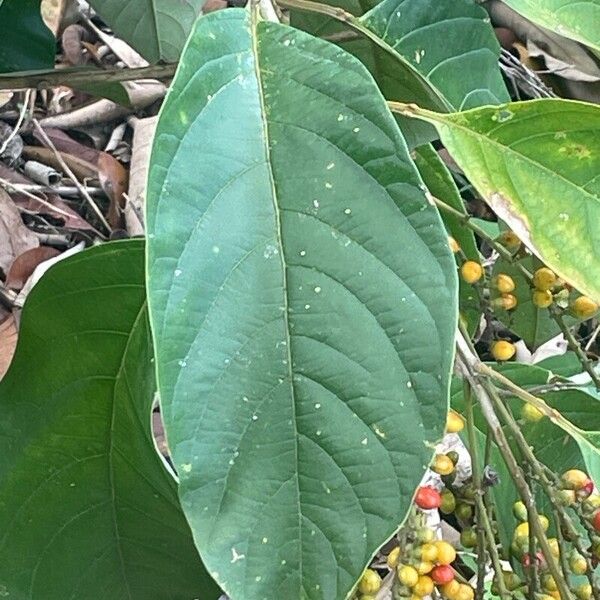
439 182
87 510
157 29
302 297
25 41
536 164
441 55
577 20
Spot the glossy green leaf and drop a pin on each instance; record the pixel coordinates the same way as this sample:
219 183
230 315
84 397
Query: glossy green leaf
87 510
302 298
157 29
577 20
536 164
439 182
411 65
19 18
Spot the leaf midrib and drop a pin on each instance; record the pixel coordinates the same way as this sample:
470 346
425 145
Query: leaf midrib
254 18
111 448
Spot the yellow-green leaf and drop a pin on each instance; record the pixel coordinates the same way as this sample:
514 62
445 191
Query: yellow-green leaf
537 164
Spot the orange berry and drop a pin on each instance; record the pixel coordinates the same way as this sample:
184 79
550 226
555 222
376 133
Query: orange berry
544 279
471 271
503 283
542 298
583 307
455 422
503 350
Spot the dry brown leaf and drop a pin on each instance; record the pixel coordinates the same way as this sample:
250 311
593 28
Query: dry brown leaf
64 212
24 265
113 176
113 179
140 157
8 343
52 13
15 238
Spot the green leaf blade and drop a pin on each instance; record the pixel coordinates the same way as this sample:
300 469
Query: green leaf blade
17 17
86 508
576 20
157 29
295 263
536 164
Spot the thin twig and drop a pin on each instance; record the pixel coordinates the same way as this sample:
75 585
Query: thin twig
15 131
484 526
469 363
65 167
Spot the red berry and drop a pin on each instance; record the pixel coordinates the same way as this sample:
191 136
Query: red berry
596 521
586 489
539 560
442 574
428 498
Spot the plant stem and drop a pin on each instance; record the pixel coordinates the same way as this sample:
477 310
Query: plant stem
484 529
80 77
469 361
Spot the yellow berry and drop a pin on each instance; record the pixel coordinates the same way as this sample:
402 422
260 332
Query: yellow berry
367 597
429 552
503 350
574 479
393 557
531 413
442 465
505 302
548 583
578 564
415 597
542 298
583 307
509 301
370 582
583 591
503 283
424 567
544 279
424 586
522 530
471 271
455 422
445 552
450 590
509 240
453 245
465 592
407 575
554 547
543 519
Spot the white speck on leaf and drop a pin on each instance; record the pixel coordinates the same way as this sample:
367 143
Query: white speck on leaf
186 467
330 166
177 272
317 290
348 211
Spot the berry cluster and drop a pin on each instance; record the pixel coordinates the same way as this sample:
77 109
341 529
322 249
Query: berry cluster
547 289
